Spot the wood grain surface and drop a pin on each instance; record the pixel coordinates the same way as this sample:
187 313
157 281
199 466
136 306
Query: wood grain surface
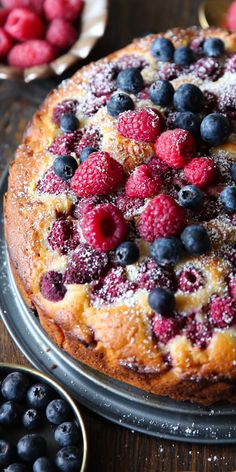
111 447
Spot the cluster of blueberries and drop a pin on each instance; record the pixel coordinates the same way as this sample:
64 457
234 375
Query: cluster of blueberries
30 408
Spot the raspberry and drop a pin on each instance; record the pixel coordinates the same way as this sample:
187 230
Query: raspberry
23 24
52 287
85 265
65 143
104 228
190 280
90 138
52 184
158 167
200 171
31 53
142 125
63 236
92 104
169 72
84 206
5 43
230 65
4 12
164 328
207 67
162 217
227 102
198 332
223 311
130 60
142 183
209 102
15 4
61 33
175 147
98 175
232 286
113 286
103 81
129 206
151 275
67 106
144 94
67 9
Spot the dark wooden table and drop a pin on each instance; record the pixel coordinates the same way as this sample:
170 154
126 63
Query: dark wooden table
113 448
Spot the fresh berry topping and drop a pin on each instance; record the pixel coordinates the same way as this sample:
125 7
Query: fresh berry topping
98 175
127 253
14 386
32 419
161 92
184 56
65 167
30 447
196 240
63 236
231 64
169 72
233 171
199 332
232 286
23 24
31 53
175 147
188 121
114 285
162 301
213 47
164 328
227 102
228 198
4 12
67 106
130 80
210 102
151 275
58 411
39 395
83 206
61 33
118 103
85 265
142 183
215 129
67 9
52 184
43 464
129 206
190 197
15 4
222 311
9 413
159 167
67 434
104 228
188 97
167 251
162 217
65 143
69 459
91 138
7 453
207 68
190 280
162 49
5 43
103 81
92 104
142 125
69 123
129 61
16 467
86 153
200 171
52 287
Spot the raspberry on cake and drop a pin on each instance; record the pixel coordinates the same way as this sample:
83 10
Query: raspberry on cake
175 147
142 125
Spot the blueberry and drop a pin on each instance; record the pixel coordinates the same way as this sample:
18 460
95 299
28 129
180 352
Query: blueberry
58 411
215 129
17 467
190 197
69 459
196 240
188 121
228 198
30 447
14 386
167 251
7 452
188 97
69 123
32 419
118 103
9 413
184 56
162 301
162 49
127 253
43 464
86 153
213 47
67 434
161 92
65 166
233 171
39 395
130 80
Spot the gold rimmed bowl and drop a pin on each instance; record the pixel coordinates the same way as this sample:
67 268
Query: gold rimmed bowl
47 429
92 26
212 13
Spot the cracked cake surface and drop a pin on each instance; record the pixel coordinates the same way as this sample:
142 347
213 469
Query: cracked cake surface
120 215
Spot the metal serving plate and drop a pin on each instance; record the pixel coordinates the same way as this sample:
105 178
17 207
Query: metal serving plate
117 401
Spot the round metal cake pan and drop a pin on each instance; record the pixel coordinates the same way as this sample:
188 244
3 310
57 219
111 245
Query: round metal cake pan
37 376
114 400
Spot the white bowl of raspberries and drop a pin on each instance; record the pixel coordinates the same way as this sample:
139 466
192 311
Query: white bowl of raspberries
39 38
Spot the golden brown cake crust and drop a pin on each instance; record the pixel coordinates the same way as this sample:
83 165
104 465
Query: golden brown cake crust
114 339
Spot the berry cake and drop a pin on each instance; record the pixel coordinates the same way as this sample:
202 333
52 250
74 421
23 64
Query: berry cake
121 215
